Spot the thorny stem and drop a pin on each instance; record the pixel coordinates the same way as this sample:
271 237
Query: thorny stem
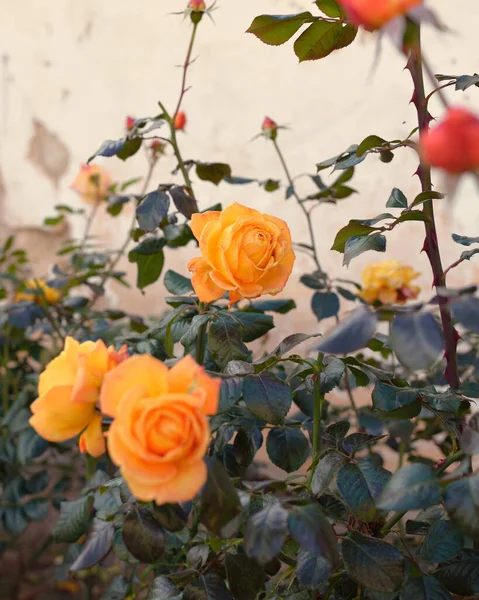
318 402
415 65
300 204
89 223
185 69
200 340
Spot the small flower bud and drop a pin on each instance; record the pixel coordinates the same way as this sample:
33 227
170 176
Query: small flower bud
270 128
180 121
197 5
129 123
157 147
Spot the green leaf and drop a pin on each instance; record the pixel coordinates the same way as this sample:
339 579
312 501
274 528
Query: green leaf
424 588
325 471
177 235
372 141
213 172
246 445
116 590
461 500
207 587
149 257
321 38
464 240
108 148
417 340
287 448
412 487
389 397
352 333
30 445
466 312
425 196
442 542
461 576
129 148
363 243
152 210
73 520
373 563
353 229
185 204
267 397
97 546
278 29
255 325
312 570
279 306
37 482
290 342
36 509
331 374
173 517
162 588
360 485
14 520
330 8
310 528
245 576
143 535
325 305
397 199
177 284
225 340
219 499
266 532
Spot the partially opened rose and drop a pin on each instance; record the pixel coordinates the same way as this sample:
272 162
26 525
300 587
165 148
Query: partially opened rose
160 432
68 392
373 14
244 252
38 290
92 183
388 282
453 144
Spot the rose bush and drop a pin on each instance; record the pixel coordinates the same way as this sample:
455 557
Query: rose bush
144 433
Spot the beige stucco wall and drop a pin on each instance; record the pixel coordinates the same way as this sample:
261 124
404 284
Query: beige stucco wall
72 70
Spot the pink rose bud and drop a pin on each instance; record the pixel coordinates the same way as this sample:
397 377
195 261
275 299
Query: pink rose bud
270 128
129 123
157 147
180 121
197 5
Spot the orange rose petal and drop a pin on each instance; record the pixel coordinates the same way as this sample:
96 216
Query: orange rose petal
274 280
199 220
141 370
92 440
59 372
234 297
221 281
181 375
205 288
233 212
56 419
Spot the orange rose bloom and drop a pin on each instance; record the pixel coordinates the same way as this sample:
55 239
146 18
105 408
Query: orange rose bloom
92 183
388 282
373 14
180 121
244 252
40 292
453 145
68 391
160 433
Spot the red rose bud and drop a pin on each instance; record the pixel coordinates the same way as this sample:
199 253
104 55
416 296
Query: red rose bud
157 147
453 145
373 14
180 121
129 123
197 5
270 128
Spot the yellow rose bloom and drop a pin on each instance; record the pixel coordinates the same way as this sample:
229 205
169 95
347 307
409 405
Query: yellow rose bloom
68 391
40 292
243 251
388 282
92 183
160 433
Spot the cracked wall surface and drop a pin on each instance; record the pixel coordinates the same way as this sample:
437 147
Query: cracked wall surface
71 72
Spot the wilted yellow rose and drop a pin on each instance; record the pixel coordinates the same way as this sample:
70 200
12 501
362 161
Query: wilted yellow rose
40 292
160 433
388 282
68 391
92 183
244 252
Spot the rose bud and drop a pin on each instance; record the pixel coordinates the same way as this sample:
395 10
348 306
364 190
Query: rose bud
270 128
453 145
180 121
129 123
197 5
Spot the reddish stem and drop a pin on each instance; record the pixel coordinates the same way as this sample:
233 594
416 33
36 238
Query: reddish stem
415 66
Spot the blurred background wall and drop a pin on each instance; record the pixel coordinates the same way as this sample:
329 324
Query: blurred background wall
71 72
